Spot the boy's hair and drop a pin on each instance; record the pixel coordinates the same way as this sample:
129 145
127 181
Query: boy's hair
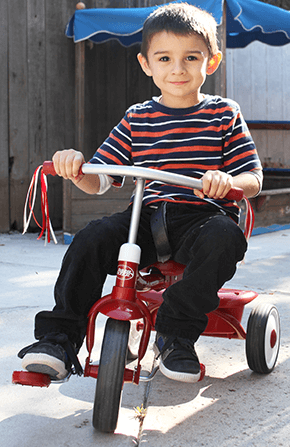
182 19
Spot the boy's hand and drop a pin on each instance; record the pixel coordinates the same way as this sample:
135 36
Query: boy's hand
215 185
67 164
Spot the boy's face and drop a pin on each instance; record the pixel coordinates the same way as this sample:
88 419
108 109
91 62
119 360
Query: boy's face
178 65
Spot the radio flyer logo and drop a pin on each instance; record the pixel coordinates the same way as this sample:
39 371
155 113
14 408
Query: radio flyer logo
125 272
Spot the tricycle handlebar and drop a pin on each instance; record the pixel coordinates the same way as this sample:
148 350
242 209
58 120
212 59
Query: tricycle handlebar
144 173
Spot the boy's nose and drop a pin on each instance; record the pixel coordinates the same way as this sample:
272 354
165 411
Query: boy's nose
178 68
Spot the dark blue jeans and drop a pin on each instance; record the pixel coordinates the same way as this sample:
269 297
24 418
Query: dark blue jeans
208 242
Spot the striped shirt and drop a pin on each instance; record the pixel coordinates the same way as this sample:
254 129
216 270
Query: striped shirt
208 136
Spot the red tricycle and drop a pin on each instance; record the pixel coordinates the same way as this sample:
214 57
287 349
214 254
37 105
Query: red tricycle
132 307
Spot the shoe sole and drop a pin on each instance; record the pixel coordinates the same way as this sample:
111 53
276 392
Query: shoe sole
175 375
179 376
45 364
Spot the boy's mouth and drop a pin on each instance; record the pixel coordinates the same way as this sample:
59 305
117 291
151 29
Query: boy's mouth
178 82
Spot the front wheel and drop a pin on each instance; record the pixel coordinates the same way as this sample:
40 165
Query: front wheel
110 375
263 338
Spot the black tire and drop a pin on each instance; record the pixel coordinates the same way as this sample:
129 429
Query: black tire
110 375
263 338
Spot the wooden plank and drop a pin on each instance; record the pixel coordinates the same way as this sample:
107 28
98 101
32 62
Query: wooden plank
275 142
286 151
68 75
273 147
97 207
269 125
36 83
216 84
18 110
112 193
258 99
36 93
80 90
286 81
79 222
67 206
4 153
260 81
55 77
70 111
90 207
230 73
275 210
105 92
79 124
274 73
60 92
275 192
280 3
80 95
220 75
260 138
139 87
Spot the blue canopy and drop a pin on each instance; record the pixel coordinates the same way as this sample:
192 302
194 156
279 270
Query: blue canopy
247 20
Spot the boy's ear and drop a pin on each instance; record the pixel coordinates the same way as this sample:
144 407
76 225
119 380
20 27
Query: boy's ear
144 64
213 63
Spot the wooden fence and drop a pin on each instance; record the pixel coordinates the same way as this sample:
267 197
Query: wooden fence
37 99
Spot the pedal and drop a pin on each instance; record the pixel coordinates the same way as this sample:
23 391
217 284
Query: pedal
31 379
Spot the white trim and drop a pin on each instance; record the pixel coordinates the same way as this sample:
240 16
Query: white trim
111 36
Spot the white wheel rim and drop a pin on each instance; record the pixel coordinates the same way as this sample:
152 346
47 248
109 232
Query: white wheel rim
272 338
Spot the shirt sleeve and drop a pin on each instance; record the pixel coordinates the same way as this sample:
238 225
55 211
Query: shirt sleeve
105 183
116 149
240 154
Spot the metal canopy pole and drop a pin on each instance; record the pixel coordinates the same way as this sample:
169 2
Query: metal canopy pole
221 78
80 89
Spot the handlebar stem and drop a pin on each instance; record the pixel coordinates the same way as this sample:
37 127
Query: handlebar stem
136 211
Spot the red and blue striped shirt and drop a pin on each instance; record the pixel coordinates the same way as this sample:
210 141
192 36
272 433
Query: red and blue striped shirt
211 135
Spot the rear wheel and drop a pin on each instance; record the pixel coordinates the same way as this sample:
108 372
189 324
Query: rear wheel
110 375
263 338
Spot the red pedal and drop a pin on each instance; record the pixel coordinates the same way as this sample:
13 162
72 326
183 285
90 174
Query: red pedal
30 378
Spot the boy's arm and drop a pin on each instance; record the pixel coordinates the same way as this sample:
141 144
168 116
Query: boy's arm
67 164
216 184
249 183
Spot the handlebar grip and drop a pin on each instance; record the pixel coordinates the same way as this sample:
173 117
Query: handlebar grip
48 168
235 194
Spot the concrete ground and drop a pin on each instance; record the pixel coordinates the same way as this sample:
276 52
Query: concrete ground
231 407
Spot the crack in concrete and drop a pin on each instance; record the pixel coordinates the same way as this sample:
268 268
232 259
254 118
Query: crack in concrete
145 403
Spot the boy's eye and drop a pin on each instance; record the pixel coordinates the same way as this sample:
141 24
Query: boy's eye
191 58
164 59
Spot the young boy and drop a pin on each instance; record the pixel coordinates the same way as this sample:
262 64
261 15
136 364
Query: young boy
182 131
